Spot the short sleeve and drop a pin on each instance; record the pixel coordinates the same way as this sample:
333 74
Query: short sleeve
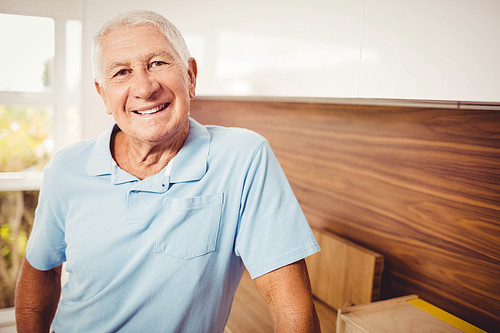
273 231
46 244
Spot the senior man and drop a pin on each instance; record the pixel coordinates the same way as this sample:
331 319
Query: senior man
158 218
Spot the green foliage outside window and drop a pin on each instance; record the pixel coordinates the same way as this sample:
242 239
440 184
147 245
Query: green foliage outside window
25 144
24 138
16 219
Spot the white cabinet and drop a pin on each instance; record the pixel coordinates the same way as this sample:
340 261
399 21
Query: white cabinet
431 49
401 49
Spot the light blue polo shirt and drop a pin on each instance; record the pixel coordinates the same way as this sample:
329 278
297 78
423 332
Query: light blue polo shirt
165 254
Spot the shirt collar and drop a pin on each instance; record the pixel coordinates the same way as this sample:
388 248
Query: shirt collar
190 163
100 160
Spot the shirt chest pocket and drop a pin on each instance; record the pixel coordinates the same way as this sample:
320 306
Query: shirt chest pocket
190 226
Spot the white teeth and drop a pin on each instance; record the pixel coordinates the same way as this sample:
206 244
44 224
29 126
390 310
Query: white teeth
153 110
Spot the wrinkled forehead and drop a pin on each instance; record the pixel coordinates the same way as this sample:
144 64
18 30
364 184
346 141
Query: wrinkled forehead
126 41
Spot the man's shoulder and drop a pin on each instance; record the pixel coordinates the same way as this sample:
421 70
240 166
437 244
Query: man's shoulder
234 147
235 136
72 156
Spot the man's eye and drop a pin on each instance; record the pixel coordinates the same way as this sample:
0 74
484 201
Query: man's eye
121 72
157 64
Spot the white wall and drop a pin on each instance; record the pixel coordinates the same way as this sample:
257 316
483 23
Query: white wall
402 49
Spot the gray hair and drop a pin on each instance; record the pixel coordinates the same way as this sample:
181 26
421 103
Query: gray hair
135 18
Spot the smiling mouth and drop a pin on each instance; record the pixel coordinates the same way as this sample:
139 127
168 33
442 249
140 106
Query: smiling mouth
153 110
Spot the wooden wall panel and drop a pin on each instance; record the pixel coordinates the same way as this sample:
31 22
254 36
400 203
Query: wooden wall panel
420 186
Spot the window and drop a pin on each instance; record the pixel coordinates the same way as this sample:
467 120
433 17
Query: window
27 60
40 74
40 64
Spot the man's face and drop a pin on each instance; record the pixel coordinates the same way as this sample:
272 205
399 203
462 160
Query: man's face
144 84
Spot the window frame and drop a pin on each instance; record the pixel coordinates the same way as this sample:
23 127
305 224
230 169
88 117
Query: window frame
60 97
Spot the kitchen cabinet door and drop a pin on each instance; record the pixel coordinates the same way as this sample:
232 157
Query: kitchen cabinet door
431 49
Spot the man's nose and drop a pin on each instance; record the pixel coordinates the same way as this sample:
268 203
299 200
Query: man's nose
144 84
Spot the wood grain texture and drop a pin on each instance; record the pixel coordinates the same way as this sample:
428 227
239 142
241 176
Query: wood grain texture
420 186
344 272
249 312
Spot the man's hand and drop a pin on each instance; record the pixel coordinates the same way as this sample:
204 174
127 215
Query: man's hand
37 295
287 292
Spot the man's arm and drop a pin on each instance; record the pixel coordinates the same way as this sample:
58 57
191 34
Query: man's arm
287 292
37 295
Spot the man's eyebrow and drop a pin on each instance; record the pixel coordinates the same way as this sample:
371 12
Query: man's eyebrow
117 65
160 53
148 56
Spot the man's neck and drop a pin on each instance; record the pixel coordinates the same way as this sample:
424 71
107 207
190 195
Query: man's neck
142 159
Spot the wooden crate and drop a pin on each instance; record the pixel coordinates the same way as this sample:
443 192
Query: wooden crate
403 314
344 272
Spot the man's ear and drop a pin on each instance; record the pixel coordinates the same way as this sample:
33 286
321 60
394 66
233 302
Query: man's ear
192 73
98 88
101 92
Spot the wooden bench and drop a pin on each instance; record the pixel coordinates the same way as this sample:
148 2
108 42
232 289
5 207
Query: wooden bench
342 273
250 314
